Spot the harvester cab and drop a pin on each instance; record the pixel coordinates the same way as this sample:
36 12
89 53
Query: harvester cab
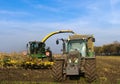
78 57
36 49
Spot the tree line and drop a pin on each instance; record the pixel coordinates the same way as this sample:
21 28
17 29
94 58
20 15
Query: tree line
108 49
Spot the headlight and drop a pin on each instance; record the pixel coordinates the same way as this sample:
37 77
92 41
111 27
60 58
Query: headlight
76 61
73 61
69 60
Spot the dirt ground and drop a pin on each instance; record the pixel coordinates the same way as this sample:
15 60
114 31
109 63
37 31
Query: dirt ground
40 76
12 74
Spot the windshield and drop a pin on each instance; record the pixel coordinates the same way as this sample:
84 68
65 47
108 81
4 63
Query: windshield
33 48
79 45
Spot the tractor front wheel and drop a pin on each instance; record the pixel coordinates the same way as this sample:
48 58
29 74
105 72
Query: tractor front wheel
90 69
57 70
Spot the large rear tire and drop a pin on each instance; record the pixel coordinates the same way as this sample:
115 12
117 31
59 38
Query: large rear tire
57 71
90 69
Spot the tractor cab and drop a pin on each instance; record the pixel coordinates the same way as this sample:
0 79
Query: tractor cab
77 45
81 43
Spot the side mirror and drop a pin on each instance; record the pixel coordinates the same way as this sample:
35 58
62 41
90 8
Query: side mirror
26 45
57 42
93 39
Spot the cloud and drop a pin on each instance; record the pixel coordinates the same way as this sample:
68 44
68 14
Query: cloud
19 33
37 4
48 8
12 13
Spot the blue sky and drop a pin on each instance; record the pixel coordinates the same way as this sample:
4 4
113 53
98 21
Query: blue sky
25 20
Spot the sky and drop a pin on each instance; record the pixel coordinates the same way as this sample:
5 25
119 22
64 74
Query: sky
22 21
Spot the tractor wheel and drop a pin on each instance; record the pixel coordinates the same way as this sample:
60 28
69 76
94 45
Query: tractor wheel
57 71
90 69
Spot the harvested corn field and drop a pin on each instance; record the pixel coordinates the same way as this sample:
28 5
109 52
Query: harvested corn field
108 71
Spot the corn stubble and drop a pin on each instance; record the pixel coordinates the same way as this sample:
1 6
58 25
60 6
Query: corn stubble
108 67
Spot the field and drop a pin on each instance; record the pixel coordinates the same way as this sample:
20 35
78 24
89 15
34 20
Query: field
108 72
108 69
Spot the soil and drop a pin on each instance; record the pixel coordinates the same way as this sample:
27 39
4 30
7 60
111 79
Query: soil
20 74
17 74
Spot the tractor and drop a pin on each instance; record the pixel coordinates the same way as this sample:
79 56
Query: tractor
77 58
39 55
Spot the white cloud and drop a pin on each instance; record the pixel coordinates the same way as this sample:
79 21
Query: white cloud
48 8
7 12
22 32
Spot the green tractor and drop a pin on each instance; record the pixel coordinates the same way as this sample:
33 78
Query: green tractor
37 49
37 52
78 57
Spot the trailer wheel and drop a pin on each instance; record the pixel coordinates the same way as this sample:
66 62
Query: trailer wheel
90 69
57 71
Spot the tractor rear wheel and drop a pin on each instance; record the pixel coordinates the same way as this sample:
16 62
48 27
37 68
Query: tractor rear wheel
57 70
90 69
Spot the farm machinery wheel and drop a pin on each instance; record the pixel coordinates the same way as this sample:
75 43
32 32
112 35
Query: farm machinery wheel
90 69
57 70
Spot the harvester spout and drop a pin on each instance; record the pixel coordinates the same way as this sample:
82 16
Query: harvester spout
57 32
